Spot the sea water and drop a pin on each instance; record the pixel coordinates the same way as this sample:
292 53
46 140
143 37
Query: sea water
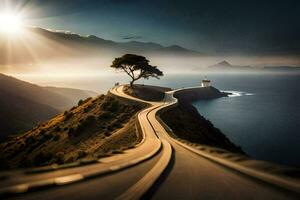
263 115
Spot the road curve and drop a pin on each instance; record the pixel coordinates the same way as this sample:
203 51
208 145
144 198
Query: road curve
159 168
194 176
150 150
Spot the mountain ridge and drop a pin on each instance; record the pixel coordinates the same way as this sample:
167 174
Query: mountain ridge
45 45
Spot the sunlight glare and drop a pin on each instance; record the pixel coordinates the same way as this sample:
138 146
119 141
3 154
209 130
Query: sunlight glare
10 23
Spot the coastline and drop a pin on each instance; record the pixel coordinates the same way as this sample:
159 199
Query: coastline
185 98
188 124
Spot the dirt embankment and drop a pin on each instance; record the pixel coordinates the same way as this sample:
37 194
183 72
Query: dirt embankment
186 122
147 92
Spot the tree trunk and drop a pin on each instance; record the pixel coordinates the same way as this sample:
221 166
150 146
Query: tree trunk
131 83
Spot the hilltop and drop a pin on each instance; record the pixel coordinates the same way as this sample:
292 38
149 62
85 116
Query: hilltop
226 66
223 63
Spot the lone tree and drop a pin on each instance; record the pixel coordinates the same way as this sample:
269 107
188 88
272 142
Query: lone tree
136 67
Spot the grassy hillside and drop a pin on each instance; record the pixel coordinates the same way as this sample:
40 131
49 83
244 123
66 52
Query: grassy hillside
93 128
18 114
23 105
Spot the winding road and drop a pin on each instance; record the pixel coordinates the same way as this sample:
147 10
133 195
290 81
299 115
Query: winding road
160 167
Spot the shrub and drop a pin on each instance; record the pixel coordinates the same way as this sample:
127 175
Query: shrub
86 109
118 125
123 117
80 102
110 128
56 137
105 115
68 115
57 129
59 157
107 134
105 105
42 131
102 126
90 120
45 137
71 131
29 140
70 159
110 104
42 158
81 154
114 106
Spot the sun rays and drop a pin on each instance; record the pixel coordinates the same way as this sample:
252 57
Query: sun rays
10 23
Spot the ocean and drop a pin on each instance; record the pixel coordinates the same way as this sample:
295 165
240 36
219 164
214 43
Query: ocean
263 115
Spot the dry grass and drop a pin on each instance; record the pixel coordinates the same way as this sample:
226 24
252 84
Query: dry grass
94 127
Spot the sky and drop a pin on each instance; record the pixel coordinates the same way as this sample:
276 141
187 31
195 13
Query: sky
228 27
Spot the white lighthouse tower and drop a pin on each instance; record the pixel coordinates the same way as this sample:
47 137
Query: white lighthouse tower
205 82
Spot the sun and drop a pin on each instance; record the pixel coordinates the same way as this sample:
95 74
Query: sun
10 23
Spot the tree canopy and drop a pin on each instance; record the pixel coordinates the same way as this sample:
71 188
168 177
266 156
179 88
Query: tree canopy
136 67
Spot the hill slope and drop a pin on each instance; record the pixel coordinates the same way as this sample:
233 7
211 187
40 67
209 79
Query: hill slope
18 114
58 98
93 128
23 105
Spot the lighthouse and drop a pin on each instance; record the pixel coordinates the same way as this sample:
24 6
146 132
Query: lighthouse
205 82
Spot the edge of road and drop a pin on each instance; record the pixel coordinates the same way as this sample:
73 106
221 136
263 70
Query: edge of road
268 178
76 177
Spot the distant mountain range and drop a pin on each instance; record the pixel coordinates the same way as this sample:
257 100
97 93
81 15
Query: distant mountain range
23 105
40 44
226 66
